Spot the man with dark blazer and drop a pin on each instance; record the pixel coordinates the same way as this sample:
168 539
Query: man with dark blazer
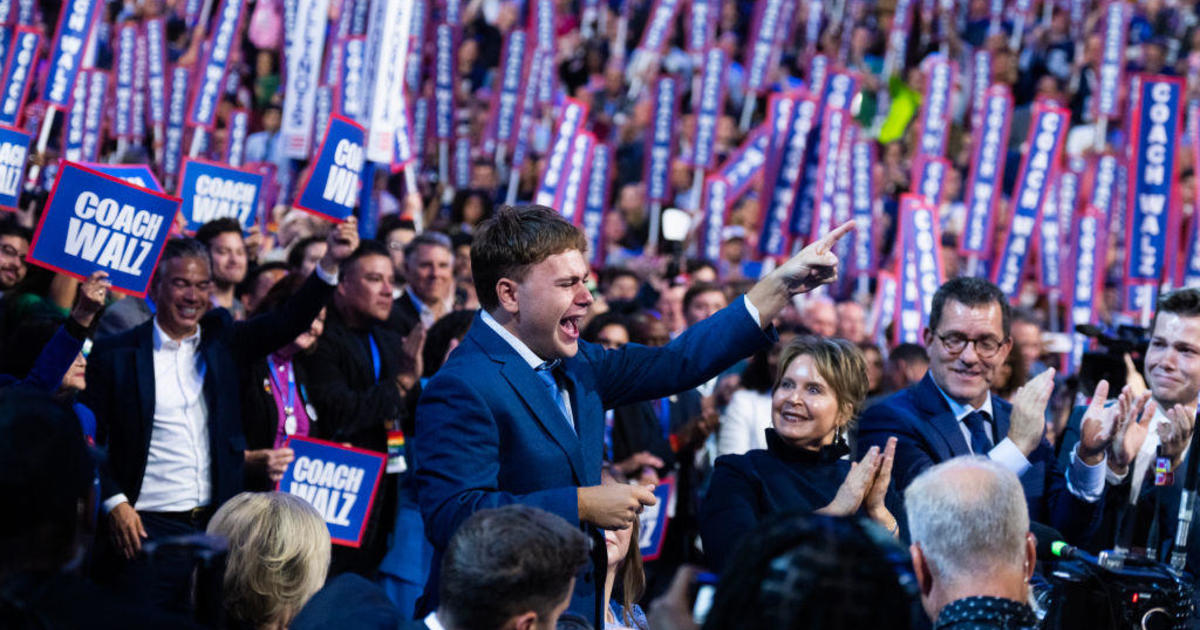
516 415
429 278
952 412
165 395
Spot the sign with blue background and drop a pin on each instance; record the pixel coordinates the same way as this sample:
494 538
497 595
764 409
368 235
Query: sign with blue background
333 186
339 482
14 149
136 174
213 191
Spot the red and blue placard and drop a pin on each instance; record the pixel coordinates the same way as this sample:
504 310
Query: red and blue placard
336 178
214 191
137 174
96 222
1151 212
340 482
987 170
653 521
203 109
70 39
14 151
18 74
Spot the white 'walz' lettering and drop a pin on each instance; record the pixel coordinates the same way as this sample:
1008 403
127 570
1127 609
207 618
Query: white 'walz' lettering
217 197
935 111
123 119
544 25
596 199
20 74
662 132
1047 131
832 129
1049 262
702 25
987 165
212 75
111 234
77 119
662 16
712 95
1068 195
818 71
1151 212
444 87
74 26
862 199
329 487
156 70
176 115
783 191
569 123
716 202
840 91
1112 59
12 162
1086 275
510 86
137 110
758 56
897 41
924 245
576 176
97 91
981 73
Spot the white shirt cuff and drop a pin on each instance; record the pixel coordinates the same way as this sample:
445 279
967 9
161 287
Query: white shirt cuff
1113 478
329 278
114 501
750 308
1084 481
1008 455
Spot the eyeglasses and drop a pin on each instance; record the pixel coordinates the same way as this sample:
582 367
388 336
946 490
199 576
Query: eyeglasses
985 347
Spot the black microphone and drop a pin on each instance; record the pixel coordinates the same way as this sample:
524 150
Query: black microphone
1066 551
1187 503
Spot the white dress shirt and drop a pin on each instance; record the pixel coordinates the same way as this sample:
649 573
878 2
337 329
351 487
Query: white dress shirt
177 476
744 423
424 312
1144 461
1085 482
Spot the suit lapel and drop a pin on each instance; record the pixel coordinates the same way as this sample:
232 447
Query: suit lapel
929 400
590 433
1002 410
143 365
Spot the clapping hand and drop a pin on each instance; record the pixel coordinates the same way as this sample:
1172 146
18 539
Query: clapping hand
1098 427
867 483
1029 412
1175 434
1131 422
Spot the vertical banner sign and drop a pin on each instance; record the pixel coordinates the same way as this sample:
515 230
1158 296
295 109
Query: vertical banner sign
883 310
658 26
990 142
702 26
596 202
716 205
520 139
660 146
336 177
812 27
14 149
136 174
781 181
712 98
176 114
462 160
203 109
96 222
1151 212
1049 260
351 97
66 54
1089 249
503 119
818 73
420 129
156 70
123 91
897 41
842 210
387 44
303 76
1190 273
340 482
444 81
214 191
94 120
981 80
404 142
833 128
18 74
839 91
931 178
1105 172
1112 60
576 181
77 119
934 120
862 159
570 123
324 110
1047 132
412 70
542 24
141 62
6 37
921 266
235 142
740 169
762 44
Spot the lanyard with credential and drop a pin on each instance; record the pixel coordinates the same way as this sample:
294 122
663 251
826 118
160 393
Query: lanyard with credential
289 407
374 355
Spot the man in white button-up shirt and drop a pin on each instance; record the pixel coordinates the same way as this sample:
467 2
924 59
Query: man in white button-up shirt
166 400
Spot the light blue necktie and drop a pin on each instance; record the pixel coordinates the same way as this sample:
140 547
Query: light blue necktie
547 372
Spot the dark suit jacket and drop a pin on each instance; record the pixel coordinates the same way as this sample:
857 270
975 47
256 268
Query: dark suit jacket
404 315
490 434
121 391
636 428
929 434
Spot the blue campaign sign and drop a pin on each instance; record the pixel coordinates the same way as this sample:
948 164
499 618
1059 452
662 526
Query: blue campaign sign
136 174
336 177
653 521
96 222
14 149
340 482
213 191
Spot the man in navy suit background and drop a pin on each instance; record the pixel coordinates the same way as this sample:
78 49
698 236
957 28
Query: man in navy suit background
516 415
952 412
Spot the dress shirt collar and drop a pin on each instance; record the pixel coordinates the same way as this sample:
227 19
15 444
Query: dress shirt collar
528 355
960 410
164 341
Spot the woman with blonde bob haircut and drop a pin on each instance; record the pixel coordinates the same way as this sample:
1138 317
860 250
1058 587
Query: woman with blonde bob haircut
278 557
819 390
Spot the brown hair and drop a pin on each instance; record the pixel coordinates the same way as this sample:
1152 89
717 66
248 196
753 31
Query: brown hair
631 575
1182 302
838 361
514 240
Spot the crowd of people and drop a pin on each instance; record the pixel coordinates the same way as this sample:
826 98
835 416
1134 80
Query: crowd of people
532 394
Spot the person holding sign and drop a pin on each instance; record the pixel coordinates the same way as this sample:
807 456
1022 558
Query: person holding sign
516 415
166 400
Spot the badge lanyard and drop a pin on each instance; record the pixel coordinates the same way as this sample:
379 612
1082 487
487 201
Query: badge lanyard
374 355
289 407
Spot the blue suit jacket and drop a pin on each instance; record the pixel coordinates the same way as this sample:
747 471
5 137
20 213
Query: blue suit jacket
928 434
489 434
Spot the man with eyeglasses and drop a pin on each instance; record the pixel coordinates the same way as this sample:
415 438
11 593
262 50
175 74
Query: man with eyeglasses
14 246
952 412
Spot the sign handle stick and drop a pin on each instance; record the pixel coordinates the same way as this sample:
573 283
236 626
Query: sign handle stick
655 219
514 180
1147 307
42 142
748 110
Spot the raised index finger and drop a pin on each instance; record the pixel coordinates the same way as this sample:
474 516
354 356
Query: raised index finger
826 243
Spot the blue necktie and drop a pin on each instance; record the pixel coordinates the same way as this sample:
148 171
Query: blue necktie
548 372
980 443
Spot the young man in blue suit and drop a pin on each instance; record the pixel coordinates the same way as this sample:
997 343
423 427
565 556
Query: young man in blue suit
952 412
516 415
